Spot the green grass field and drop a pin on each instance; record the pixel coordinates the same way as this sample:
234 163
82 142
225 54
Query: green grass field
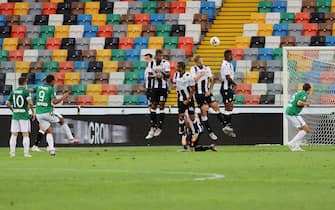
159 178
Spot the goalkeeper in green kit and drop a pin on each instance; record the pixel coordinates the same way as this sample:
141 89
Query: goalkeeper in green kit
295 106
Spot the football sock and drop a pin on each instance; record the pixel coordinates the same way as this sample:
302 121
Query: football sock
12 143
181 124
195 125
202 148
39 137
161 119
50 141
205 122
67 130
299 137
227 118
26 144
153 118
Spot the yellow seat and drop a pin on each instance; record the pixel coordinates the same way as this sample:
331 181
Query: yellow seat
265 29
57 1
100 100
99 19
156 42
72 78
93 89
257 18
295 55
110 66
304 65
92 7
104 55
10 43
59 55
134 30
21 8
333 6
22 67
62 31
242 42
251 77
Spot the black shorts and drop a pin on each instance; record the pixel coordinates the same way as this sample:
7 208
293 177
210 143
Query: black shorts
149 95
159 95
227 95
202 99
189 107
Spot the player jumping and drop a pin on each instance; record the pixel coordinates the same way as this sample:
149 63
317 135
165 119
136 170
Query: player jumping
20 102
149 76
295 106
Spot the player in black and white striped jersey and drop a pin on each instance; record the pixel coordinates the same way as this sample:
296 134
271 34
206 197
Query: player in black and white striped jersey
149 76
160 87
203 94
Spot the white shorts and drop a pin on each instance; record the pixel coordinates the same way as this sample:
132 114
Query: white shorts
296 121
45 120
20 126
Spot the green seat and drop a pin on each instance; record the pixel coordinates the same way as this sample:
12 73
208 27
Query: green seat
130 100
139 66
78 90
170 42
119 55
149 7
265 6
292 65
51 66
39 43
47 31
239 99
320 89
132 77
4 55
278 54
297 77
163 30
323 5
287 17
113 19
85 0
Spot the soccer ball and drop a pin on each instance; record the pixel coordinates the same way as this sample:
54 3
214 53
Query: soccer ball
215 41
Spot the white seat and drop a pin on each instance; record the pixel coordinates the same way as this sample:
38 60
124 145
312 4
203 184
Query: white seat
294 6
185 19
120 7
115 100
193 7
218 3
259 89
250 29
116 78
193 30
76 31
272 41
147 51
243 65
278 77
279 99
30 55
216 89
56 19
326 55
272 18
12 79
97 43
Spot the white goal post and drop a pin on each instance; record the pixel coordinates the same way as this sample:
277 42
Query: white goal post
315 65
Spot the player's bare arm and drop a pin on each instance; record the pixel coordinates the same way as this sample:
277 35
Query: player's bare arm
229 79
303 103
189 98
60 99
198 77
31 107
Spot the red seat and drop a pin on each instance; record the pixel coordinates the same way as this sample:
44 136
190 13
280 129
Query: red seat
143 19
173 65
85 100
7 8
243 89
65 66
237 53
108 89
18 31
59 77
186 43
53 43
302 17
251 99
126 43
310 29
178 7
328 99
327 77
105 31
49 8
16 55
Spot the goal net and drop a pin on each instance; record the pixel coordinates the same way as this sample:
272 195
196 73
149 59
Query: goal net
314 65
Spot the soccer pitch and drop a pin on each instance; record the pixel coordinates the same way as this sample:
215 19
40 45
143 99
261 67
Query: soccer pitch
121 178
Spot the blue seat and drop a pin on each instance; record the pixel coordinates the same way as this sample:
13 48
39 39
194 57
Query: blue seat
312 77
141 43
330 40
234 63
331 89
280 29
141 78
157 19
1 43
84 20
318 66
90 31
39 77
5 98
279 6
2 20
31 86
133 55
265 53
80 66
142 100
208 7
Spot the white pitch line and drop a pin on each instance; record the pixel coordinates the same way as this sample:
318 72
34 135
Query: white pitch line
211 177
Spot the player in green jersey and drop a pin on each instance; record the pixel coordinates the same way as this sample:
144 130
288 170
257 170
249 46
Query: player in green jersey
45 100
20 102
295 106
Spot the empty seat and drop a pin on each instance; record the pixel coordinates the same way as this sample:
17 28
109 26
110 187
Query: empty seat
330 41
303 40
302 17
280 30
3 55
258 65
134 30
242 42
106 7
76 31
70 19
148 30
87 78
49 8
116 78
97 43
27 20
272 41
177 55
317 17
119 30
124 89
178 7
41 20
257 42
59 55
62 31
85 100
194 30
99 19
33 31
133 55
90 31
89 55
327 77
118 55
82 44
65 66
274 89
157 19
244 89
25 43
250 53
259 89
318 41
267 99
93 89
80 66
143 19
265 54
56 19
279 6
72 78
116 100
74 55
112 43
308 6
325 29
135 7
101 78
105 31
103 55
156 42
257 17
92 7
18 31
323 6
287 41
208 8
330 17
265 29
68 43
47 31
110 66
35 8
30 55
95 66
250 29
237 53
84 19
272 18
10 43
193 7
77 8
53 43
44 55
16 55
266 77
78 89
113 19
252 99
125 66
186 43
71 100
22 66
287 17
120 7
201 19
171 19
265 6
295 29
274 65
